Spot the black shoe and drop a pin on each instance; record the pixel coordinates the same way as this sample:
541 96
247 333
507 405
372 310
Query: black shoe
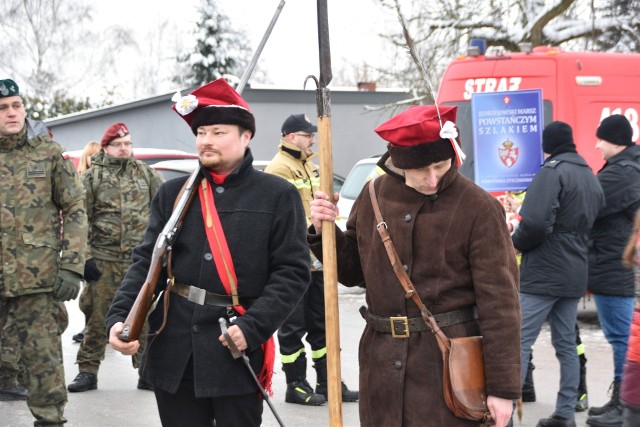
143 385
347 395
614 390
611 418
301 392
17 392
556 421
84 381
78 337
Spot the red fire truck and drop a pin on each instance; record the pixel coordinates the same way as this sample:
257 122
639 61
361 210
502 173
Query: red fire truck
579 88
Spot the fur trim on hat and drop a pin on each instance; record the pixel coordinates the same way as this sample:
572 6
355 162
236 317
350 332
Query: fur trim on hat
615 129
223 115
421 155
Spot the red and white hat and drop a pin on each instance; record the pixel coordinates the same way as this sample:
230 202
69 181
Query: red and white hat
421 135
214 103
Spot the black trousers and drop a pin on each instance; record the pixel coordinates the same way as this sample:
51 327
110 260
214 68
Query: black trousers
306 318
184 409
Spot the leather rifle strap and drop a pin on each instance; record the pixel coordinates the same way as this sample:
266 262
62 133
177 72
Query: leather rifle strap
167 291
409 290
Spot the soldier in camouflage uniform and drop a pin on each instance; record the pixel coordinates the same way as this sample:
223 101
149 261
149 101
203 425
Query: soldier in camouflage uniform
40 267
119 192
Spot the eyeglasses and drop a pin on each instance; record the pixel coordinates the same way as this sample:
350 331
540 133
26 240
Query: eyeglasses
306 135
122 144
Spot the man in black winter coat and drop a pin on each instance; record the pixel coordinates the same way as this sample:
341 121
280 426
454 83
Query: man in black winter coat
243 235
561 205
610 281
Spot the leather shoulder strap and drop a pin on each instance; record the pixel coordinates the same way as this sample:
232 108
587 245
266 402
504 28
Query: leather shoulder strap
398 269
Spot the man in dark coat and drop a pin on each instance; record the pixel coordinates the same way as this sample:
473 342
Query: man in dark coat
561 205
453 241
265 263
610 281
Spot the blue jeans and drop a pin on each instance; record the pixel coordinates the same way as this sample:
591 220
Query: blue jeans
561 314
615 314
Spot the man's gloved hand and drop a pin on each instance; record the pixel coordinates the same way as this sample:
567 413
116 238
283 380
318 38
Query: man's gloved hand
91 271
67 285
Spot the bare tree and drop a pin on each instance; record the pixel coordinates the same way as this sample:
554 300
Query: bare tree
36 37
442 28
50 49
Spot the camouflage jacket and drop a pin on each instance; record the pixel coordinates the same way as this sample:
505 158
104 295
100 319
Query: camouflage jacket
296 167
119 193
39 186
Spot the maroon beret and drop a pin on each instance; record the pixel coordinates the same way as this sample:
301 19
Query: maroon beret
116 130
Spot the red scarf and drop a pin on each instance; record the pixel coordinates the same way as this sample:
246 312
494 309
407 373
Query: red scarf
226 270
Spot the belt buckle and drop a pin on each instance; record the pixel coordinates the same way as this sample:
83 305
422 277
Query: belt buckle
197 295
405 324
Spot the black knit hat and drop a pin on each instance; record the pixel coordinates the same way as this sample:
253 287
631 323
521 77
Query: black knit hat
615 129
557 136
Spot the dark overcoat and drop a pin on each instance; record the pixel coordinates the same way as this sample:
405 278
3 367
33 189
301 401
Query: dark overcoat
456 249
264 225
561 205
620 181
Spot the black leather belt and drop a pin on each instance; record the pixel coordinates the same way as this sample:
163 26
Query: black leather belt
203 297
402 326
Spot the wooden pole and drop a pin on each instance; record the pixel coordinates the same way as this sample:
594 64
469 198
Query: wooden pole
330 270
329 261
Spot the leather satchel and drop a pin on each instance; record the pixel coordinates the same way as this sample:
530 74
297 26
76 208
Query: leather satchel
463 364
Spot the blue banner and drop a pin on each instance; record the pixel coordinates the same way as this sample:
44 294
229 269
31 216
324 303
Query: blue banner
507 138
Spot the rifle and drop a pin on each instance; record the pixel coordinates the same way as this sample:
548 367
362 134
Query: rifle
138 314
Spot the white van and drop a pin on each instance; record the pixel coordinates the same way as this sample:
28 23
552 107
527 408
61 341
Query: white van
360 174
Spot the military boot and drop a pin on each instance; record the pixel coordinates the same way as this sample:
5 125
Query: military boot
614 390
630 417
17 392
298 389
528 390
321 385
611 418
84 381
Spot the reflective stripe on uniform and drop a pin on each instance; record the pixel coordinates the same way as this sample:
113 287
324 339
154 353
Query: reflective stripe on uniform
290 358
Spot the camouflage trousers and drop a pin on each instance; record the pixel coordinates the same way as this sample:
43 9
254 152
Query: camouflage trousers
95 301
30 329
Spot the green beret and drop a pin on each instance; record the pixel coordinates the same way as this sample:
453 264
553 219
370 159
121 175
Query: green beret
8 88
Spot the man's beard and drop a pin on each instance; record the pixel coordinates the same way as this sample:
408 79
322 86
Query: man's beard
212 162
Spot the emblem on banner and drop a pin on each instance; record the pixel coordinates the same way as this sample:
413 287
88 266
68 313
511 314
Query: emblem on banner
508 153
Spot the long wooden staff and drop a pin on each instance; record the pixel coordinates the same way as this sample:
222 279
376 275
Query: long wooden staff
332 321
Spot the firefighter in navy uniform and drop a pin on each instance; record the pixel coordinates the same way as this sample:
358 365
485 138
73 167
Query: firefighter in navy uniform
293 162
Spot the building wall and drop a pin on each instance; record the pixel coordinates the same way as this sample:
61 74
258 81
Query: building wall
154 124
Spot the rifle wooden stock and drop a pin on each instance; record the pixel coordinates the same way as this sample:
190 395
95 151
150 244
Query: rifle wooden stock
138 314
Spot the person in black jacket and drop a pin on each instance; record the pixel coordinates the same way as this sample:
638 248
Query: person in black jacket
610 281
561 205
196 380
